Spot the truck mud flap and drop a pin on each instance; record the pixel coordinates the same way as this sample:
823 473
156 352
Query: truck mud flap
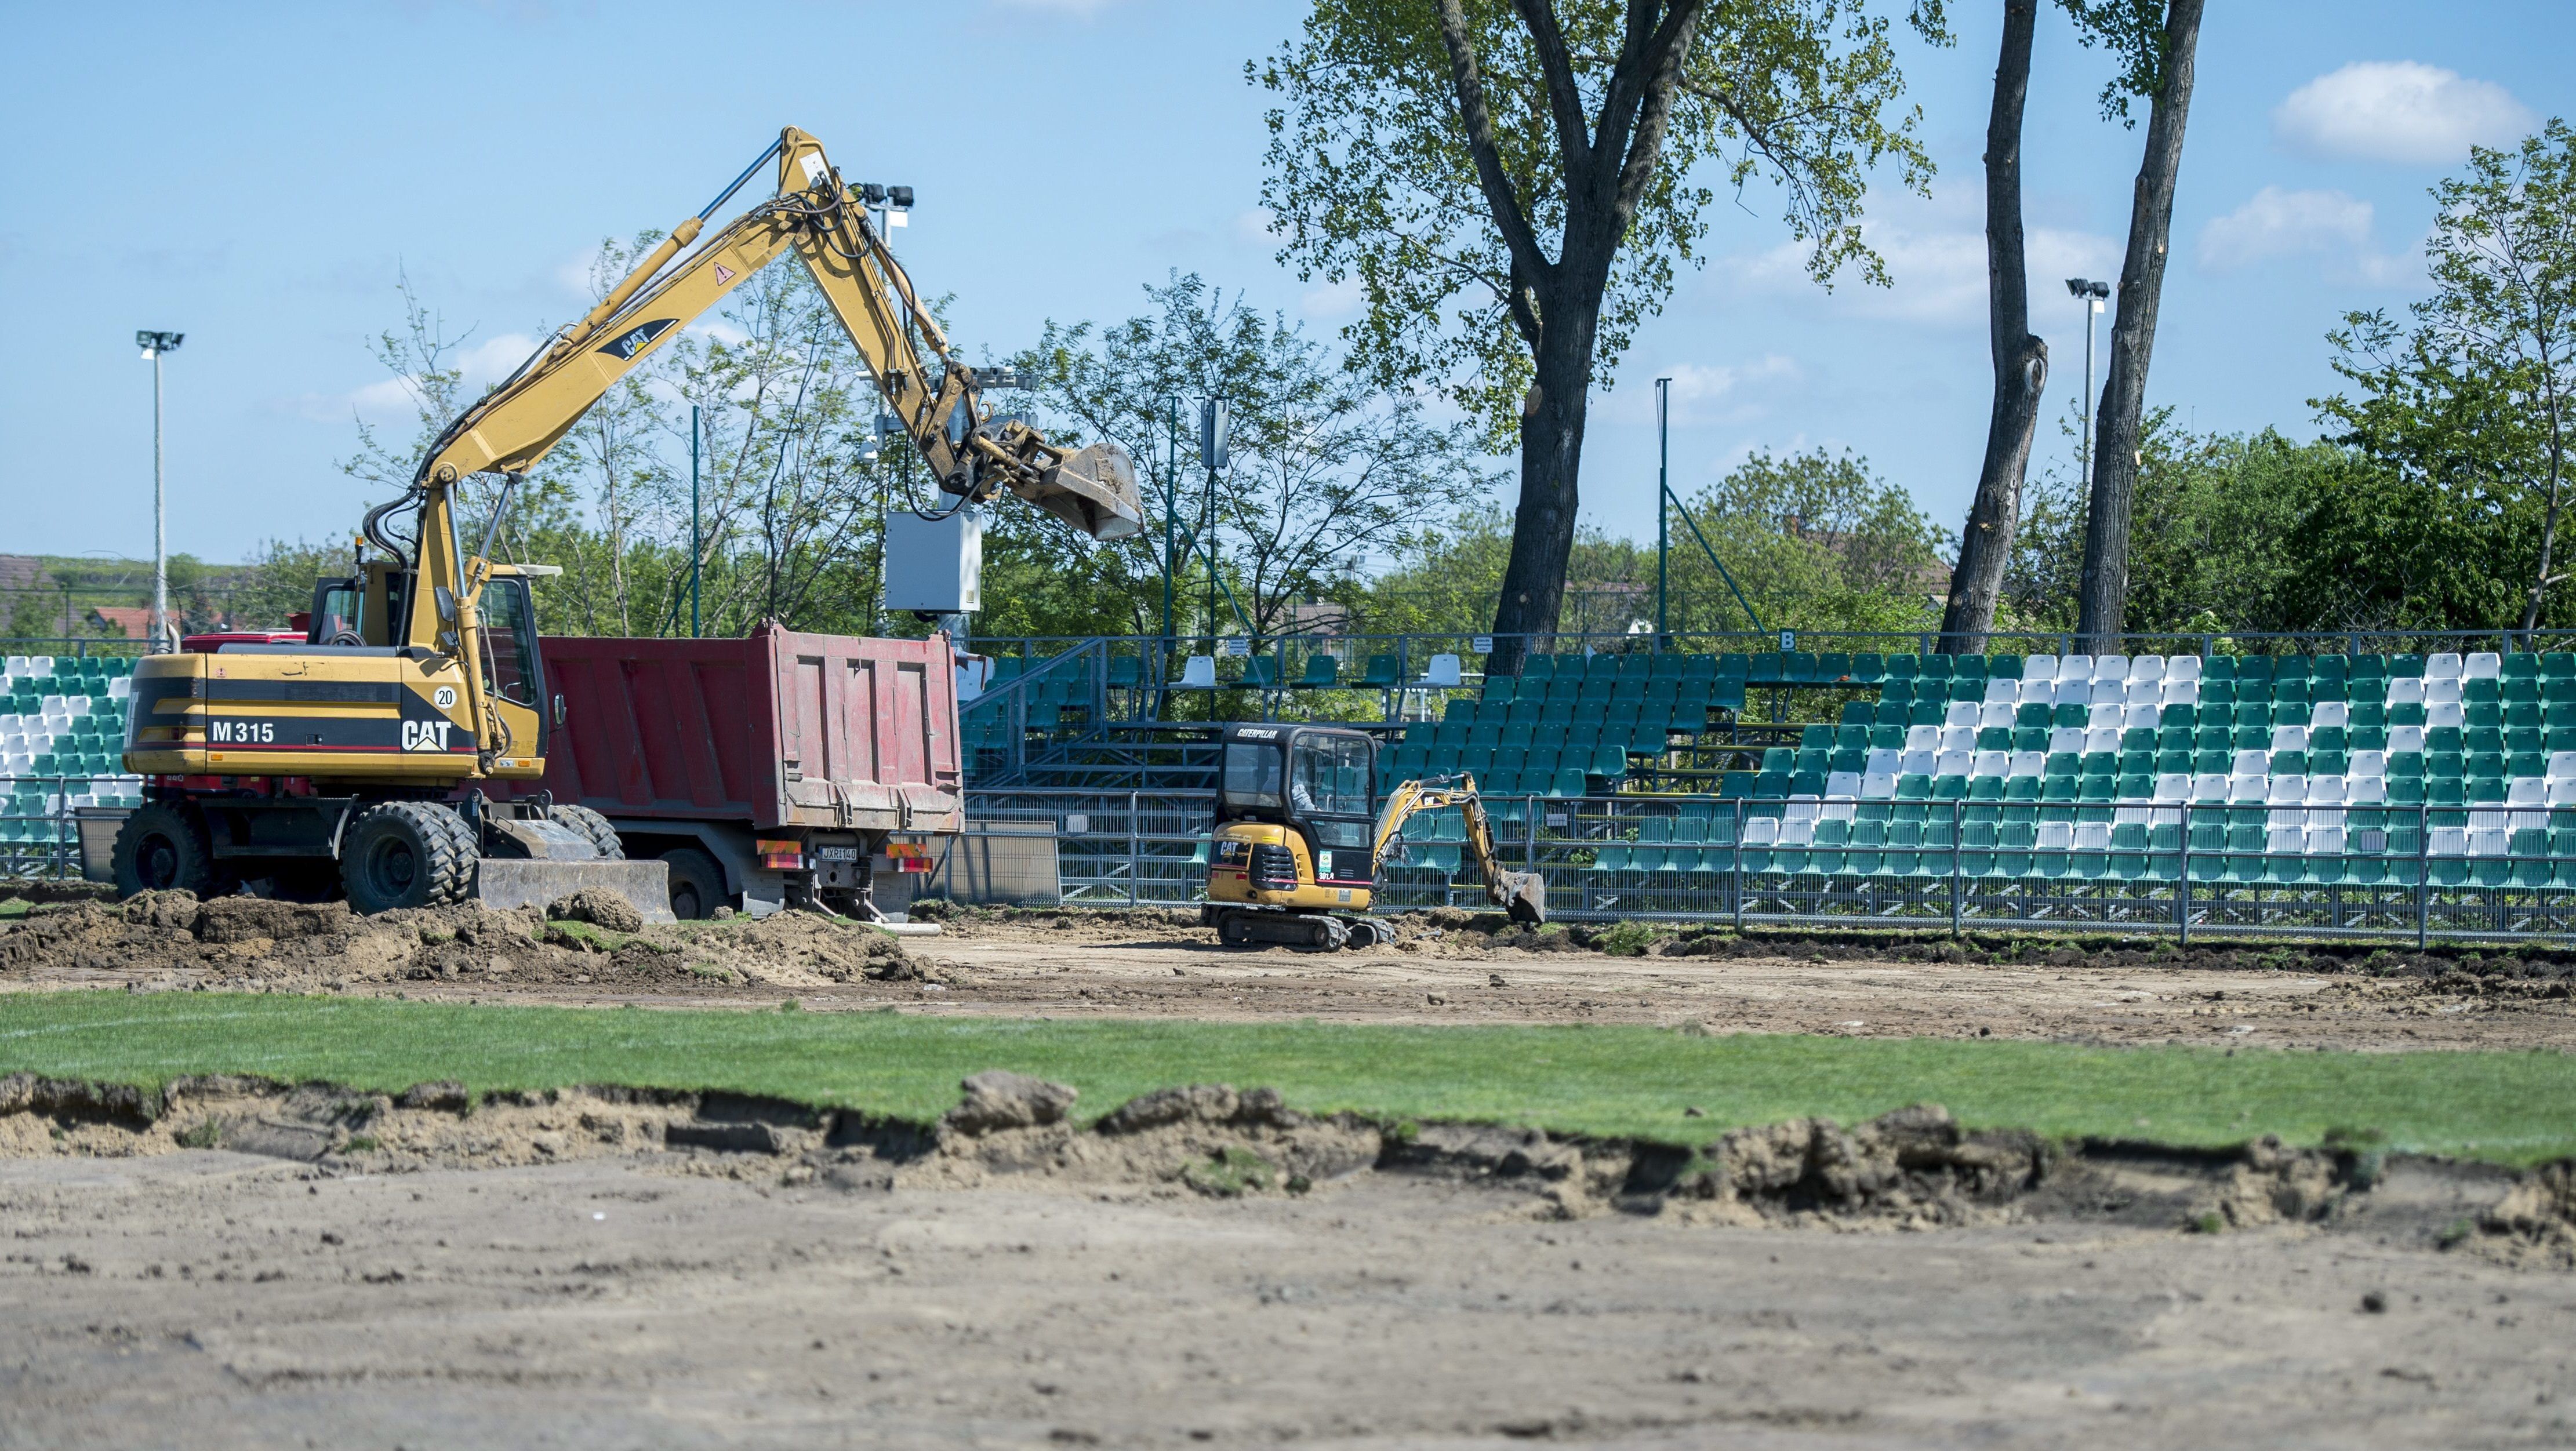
501 883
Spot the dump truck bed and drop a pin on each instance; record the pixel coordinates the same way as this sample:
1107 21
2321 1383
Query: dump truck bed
779 730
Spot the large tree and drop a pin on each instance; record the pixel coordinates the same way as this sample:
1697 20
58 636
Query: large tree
1325 477
2020 357
2161 54
2474 400
1509 184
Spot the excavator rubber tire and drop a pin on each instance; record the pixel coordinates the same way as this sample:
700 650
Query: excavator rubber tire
593 825
1366 934
406 854
164 846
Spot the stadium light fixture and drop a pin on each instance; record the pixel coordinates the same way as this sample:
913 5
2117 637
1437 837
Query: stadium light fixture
155 343
2090 293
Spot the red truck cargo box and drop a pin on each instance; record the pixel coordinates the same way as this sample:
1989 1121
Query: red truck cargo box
781 729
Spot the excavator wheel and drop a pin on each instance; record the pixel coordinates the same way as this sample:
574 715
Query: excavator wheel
406 854
164 846
1366 934
593 825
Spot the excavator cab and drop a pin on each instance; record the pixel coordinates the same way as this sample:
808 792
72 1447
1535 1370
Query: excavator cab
1299 838
1294 848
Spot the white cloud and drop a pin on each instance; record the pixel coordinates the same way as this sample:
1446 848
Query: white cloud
2274 225
391 399
1333 301
1704 393
2398 111
1252 227
1938 277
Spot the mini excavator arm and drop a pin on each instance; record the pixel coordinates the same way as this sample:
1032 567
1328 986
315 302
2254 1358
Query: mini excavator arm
1521 894
824 220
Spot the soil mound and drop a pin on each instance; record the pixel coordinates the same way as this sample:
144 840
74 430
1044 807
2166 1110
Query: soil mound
167 940
1913 1169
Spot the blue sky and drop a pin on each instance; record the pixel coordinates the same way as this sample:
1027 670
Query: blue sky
255 175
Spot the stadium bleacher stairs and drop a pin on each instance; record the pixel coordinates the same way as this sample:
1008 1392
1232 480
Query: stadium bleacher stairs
62 741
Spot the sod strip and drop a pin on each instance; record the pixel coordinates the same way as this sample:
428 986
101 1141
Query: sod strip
2512 1108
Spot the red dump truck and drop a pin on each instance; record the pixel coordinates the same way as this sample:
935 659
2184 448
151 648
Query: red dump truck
781 770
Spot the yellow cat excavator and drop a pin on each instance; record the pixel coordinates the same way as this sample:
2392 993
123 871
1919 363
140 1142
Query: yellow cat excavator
350 760
1295 855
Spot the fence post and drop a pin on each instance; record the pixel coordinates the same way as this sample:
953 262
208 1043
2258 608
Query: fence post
2423 874
1738 858
2182 882
1135 863
1957 826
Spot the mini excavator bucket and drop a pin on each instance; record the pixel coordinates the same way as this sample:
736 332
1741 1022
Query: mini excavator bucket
1094 490
1522 896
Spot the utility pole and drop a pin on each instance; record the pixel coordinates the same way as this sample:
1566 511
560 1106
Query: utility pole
1212 432
1171 502
1663 492
697 539
2091 295
154 344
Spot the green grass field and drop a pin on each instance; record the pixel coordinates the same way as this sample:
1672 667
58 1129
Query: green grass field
2509 1107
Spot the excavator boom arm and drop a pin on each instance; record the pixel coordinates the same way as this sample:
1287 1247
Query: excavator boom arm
1522 894
824 220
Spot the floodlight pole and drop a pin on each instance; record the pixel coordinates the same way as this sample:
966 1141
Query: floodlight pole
2091 295
1663 491
154 344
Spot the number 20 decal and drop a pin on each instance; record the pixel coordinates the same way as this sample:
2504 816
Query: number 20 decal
445 698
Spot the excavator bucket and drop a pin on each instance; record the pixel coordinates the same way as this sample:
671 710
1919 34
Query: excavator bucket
1094 490
1524 897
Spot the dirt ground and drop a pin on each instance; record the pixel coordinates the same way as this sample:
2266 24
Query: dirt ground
1445 969
206 1298
244 1264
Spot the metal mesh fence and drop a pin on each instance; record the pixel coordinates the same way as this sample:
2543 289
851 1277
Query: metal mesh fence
2185 869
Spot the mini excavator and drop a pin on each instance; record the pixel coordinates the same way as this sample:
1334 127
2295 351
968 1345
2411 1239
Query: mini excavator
1296 854
352 761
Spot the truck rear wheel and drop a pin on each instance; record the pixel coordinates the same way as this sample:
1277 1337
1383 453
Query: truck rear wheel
595 826
165 847
697 884
406 854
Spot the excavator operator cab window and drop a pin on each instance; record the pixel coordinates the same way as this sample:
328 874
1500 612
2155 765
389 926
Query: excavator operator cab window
1252 775
510 642
1328 787
338 605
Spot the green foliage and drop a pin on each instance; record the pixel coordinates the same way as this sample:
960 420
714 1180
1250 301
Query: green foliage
2499 1107
1325 477
1230 1172
2225 535
1372 180
1630 939
1815 541
2466 412
2134 32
